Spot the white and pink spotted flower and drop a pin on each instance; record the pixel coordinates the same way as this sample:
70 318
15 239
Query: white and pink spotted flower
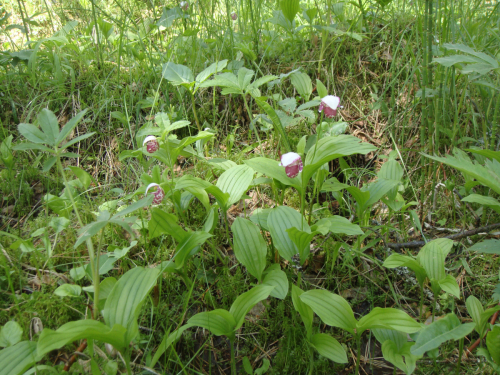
184 5
329 106
292 163
151 144
234 16
158 193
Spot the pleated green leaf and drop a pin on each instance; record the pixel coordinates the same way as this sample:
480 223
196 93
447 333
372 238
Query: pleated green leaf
235 182
279 220
15 360
328 347
242 305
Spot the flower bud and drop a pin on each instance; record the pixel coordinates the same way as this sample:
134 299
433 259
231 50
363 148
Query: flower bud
159 194
184 5
234 16
151 144
292 163
329 106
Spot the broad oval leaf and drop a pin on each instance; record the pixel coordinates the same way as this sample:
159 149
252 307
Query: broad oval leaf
398 260
279 220
432 257
290 8
274 276
164 223
384 334
187 245
249 246
304 310
432 336
219 322
242 305
388 318
177 74
81 329
493 344
271 168
16 359
450 285
126 298
328 347
10 334
491 246
331 308
340 225
235 182
68 290
302 240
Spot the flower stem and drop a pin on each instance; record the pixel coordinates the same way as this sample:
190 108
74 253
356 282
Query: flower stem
358 353
311 361
233 359
195 114
460 352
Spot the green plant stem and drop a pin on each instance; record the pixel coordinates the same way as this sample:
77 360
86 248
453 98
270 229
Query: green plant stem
421 304
90 246
434 302
311 361
195 114
126 357
460 352
233 358
358 353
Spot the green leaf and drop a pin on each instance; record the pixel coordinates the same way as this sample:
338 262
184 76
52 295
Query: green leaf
493 344
340 225
320 87
32 146
81 329
491 246
249 247
433 335
15 360
398 260
394 355
177 74
290 8
77 139
83 176
278 127
388 318
271 168
484 201
164 223
279 220
242 305
247 366
187 245
126 298
216 67
328 347
302 82
69 126
331 308
48 122
219 322
488 175
383 334
166 342
450 285
330 148
235 182
263 369
32 134
432 257
274 276
68 290
259 217
304 310
10 334
302 240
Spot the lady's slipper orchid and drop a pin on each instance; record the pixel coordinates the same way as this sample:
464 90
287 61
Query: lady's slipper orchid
151 143
292 163
184 5
159 194
234 16
329 105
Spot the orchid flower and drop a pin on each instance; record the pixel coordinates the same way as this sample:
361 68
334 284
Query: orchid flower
234 16
292 163
159 194
184 5
329 105
151 144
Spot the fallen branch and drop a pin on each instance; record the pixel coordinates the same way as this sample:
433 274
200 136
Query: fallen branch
73 358
457 236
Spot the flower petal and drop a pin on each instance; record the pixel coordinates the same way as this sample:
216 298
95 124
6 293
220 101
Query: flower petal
290 158
331 101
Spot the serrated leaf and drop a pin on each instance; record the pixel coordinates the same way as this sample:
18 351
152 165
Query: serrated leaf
447 328
249 247
331 308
